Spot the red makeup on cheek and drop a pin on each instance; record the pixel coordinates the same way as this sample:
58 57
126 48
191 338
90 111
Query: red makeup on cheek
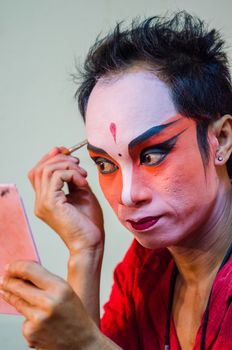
111 186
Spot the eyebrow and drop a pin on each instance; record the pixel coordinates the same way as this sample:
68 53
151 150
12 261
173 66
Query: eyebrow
96 149
155 130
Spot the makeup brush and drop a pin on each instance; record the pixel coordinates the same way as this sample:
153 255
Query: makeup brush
72 149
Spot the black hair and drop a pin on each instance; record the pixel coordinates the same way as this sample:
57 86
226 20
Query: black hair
183 52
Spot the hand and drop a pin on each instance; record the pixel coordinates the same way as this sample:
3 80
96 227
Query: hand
55 316
77 216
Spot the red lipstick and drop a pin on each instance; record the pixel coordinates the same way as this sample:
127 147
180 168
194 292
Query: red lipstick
144 223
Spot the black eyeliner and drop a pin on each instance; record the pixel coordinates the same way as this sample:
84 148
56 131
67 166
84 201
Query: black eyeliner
166 145
95 159
163 148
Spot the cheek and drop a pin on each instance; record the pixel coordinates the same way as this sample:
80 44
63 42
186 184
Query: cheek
189 185
111 185
180 178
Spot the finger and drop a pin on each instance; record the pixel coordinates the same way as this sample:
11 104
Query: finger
35 315
37 170
46 170
69 176
53 180
54 151
60 157
28 333
19 304
51 168
42 181
48 156
73 188
32 272
56 156
24 290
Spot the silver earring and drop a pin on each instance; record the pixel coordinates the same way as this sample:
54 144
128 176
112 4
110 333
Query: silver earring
220 158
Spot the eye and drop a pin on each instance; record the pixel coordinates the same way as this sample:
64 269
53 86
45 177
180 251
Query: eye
105 166
152 157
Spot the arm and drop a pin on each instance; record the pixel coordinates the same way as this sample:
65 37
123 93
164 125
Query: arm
84 270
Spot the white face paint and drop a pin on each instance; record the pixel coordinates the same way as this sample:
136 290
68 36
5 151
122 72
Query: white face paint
156 183
108 107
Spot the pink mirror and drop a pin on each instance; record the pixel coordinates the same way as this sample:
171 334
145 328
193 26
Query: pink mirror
16 241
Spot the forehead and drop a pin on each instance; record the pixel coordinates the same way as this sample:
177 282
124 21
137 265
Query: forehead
122 108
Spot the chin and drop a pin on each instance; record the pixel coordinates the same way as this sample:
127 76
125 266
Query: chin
154 240
151 242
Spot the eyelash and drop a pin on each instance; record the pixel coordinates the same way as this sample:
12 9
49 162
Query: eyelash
152 151
99 161
162 150
152 157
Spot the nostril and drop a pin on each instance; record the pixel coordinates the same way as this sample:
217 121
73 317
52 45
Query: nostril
137 197
138 202
141 195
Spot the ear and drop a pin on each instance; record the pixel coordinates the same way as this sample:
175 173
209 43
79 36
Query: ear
222 128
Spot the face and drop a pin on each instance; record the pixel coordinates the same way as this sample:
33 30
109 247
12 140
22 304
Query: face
150 167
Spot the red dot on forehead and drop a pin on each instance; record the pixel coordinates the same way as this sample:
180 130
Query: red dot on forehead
113 130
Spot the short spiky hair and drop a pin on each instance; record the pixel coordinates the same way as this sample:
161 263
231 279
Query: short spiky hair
187 56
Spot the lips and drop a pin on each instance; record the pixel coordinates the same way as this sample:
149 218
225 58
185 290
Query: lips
144 223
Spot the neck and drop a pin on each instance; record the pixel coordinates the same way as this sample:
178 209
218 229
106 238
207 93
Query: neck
198 257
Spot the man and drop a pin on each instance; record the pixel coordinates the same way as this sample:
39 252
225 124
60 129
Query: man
156 99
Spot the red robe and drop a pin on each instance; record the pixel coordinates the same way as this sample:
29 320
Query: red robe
135 315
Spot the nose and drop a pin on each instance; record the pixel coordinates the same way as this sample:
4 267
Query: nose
135 190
